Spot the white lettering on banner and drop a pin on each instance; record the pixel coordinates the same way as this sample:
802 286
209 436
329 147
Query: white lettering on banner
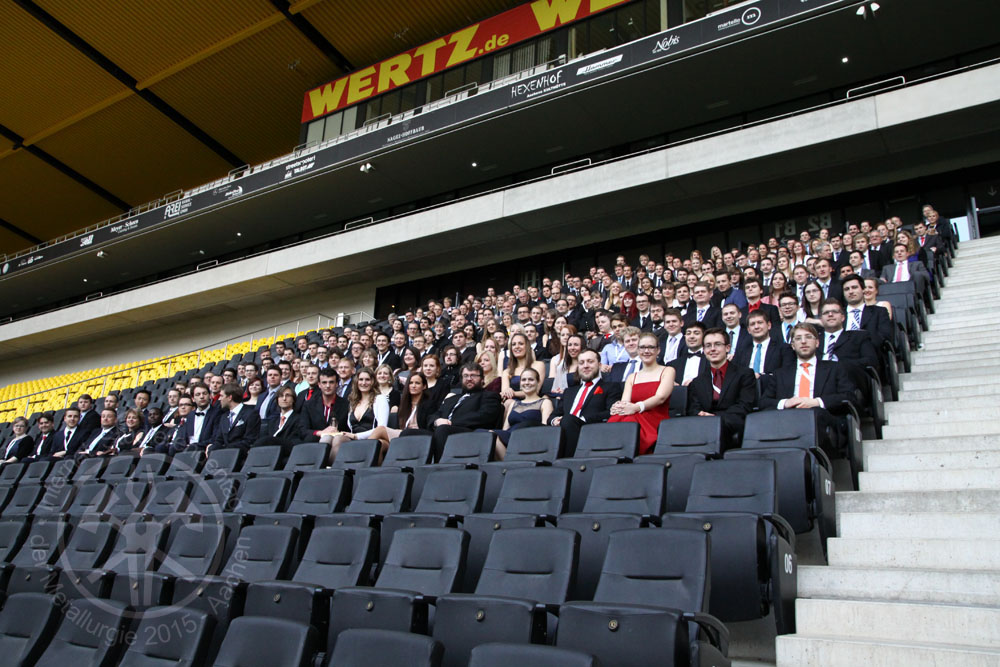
405 134
751 16
538 86
598 66
299 166
86 240
664 44
728 24
125 227
28 261
177 208
235 192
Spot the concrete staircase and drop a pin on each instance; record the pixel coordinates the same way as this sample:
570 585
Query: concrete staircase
914 578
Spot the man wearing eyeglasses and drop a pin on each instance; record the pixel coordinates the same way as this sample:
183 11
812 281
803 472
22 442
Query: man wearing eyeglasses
724 389
809 383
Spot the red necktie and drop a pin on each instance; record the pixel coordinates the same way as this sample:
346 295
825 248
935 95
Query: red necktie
583 397
716 383
281 422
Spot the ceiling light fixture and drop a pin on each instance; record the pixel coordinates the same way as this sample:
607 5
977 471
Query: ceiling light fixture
367 168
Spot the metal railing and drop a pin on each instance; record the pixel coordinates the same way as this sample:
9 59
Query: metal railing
322 321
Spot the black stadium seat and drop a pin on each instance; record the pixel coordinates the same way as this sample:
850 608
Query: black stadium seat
87 547
503 655
373 497
75 642
527 447
265 642
525 570
599 445
170 635
27 624
357 454
421 562
363 647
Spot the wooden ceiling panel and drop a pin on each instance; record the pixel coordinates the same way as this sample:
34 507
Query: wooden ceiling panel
44 80
367 31
43 202
11 242
249 96
147 37
135 152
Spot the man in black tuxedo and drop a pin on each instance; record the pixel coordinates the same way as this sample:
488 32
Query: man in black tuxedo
727 389
826 281
238 426
764 353
691 362
468 410
99 442
873 319
384 354
644 321
810 382
853 349
702 310
324 408
199 427
589 402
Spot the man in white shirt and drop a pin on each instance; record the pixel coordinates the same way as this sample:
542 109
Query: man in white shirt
688 366
810 382
902 269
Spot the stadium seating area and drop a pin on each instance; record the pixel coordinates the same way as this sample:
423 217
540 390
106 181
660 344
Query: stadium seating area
378 548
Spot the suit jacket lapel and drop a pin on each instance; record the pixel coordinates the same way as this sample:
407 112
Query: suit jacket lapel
822 373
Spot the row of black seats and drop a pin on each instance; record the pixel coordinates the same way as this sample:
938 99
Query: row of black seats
736 501
795 439
654 585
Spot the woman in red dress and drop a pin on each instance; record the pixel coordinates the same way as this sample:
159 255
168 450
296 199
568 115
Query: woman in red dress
646 398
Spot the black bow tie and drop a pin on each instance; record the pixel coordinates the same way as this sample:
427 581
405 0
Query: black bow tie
199 414
694 354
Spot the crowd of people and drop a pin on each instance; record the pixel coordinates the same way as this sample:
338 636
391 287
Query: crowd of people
786 324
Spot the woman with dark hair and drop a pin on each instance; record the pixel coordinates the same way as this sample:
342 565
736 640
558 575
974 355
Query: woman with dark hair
437 389
412 415
255 388
646 397
410 364
812 301
628 308
133 435
779 284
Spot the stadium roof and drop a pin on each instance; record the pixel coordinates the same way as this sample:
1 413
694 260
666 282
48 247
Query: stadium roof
108 105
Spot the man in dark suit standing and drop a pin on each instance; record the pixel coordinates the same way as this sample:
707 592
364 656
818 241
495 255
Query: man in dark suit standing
703 311
726 390
753 289
589 402
90 420
873 319
239 425
466 411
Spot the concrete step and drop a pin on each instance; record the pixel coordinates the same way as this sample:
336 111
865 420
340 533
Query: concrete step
982 374
945 416
954 393
892 431
966 365
948 322
927 356
962 381
918 480
953 343
915 553
900 621
862 583
970 334
939 525
954 304
798 651
974 500
913 446
971 403
932 461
